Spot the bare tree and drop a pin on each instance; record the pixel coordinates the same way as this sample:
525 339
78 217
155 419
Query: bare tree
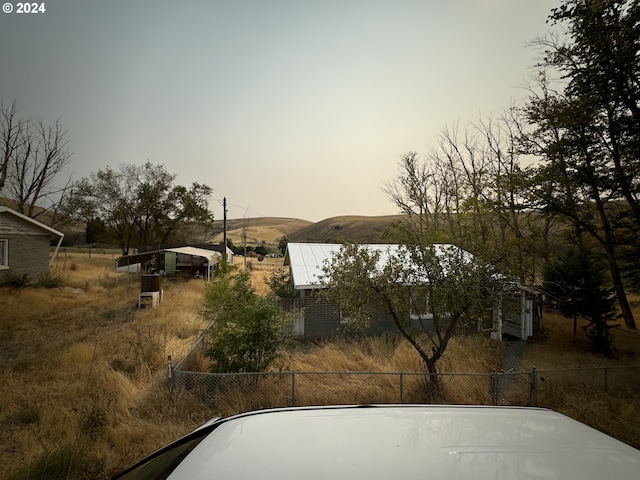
33 157
10 136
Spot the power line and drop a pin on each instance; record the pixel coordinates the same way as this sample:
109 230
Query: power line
246 209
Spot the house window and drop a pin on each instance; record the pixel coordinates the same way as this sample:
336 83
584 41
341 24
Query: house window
419 308
345 317
4 254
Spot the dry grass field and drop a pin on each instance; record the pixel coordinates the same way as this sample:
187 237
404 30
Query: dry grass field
84 371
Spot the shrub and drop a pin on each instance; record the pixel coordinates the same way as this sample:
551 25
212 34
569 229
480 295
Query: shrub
249 329
15 280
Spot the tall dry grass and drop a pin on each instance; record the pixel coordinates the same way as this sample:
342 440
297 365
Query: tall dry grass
83 371
579 392
84 381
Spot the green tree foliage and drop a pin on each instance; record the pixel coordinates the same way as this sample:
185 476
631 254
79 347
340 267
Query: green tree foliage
587 126
248 331
577 281
280 284
282 244
139 205
442 285
96 232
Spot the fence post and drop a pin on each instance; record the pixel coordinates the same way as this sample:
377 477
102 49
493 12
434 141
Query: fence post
293 389
169 372
606 380
401 380
533 387
494 386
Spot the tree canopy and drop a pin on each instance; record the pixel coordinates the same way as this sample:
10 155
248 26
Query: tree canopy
586 127
32 158
429 290
139 204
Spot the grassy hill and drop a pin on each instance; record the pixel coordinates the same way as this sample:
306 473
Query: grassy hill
258 230
332 230
345 228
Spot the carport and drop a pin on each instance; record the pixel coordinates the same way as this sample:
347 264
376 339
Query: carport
170 261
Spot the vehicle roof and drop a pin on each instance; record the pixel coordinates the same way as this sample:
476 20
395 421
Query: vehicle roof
407 442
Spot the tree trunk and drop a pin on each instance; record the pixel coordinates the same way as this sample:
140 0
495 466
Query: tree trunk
433 391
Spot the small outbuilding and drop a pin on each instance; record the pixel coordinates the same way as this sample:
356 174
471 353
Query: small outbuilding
25 245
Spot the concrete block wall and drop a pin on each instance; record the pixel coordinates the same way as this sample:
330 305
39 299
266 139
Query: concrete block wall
28 254
322 318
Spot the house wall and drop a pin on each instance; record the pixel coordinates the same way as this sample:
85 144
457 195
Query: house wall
322 318
28 254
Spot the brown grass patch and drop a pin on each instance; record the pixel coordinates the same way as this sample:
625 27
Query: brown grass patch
84 369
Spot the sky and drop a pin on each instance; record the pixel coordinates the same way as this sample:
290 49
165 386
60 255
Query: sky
288 108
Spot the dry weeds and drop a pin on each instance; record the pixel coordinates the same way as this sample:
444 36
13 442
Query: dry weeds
84 370
84 379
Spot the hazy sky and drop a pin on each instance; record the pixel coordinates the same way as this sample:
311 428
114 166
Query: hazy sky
292 108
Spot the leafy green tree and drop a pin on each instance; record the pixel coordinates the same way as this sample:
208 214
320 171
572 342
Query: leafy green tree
95 232
280 284
587 125
282 244
578 282
429 290
248 331
139 205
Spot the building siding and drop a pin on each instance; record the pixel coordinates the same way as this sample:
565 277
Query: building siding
322 318
28 254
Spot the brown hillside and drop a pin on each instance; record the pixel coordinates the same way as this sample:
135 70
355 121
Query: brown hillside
345 228
350 228
265 229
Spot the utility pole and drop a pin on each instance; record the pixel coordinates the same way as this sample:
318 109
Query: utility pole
224 228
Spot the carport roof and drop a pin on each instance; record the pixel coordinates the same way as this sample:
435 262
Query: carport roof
212 256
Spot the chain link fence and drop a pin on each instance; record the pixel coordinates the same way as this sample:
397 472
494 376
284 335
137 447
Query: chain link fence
556 389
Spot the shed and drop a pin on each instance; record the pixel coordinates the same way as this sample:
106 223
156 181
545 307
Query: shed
25 245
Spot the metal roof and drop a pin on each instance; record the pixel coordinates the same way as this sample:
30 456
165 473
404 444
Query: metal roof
211 255
305 260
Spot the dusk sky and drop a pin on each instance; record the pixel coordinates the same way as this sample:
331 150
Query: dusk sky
287 108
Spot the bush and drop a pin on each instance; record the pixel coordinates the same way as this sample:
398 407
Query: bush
15 280
248 331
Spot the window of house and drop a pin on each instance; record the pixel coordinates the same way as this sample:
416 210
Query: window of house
419 308
4 253
345 317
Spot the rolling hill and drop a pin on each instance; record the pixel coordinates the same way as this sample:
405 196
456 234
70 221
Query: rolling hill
332 230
